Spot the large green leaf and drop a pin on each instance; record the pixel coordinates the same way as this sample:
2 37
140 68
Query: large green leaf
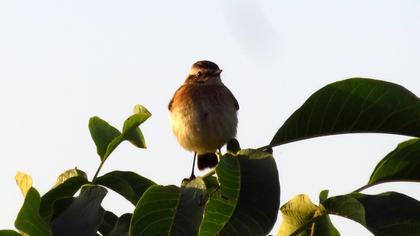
388 213
6 232
68 183
128 184
402 164
102 134
351 106
169 210
82 215
248 199
155 211
190 208
221 205
300 210
28 220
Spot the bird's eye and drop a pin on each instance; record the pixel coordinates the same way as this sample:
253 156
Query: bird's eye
199 73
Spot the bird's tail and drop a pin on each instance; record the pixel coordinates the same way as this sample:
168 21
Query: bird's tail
207 160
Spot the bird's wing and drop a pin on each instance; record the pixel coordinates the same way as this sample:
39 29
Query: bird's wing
173 97
235 102
170 104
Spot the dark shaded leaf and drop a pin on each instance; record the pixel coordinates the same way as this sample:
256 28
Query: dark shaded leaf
102 134
353 106
122 226
389 213
233 146
128 184
402 164
248 199
108 223
66 186
9 233
323 195
28 220
83 214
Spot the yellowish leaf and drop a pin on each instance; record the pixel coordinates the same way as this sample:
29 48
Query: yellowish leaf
24 181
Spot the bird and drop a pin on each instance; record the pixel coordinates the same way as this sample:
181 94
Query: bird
203 114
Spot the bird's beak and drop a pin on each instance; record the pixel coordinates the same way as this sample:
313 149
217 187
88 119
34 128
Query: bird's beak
218 72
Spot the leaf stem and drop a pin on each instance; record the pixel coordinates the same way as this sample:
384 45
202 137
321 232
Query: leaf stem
210 173
364 187
383 182
264 147
97 171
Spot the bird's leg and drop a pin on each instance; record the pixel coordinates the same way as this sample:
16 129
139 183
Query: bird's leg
193 166
219 154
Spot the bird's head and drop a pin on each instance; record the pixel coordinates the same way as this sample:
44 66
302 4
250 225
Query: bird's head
205 73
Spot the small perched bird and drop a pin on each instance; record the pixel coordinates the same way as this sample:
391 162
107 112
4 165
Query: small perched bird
204 114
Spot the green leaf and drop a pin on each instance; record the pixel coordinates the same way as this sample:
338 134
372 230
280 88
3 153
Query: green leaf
353 106
102 134
190 208
108 223
298 212
6 232
248 199
221 205
389 213
212 184
122 226
155 211
83 214
128 184
323 195
169 210
131 132
135 137
347 206
68 183
402 164
28 220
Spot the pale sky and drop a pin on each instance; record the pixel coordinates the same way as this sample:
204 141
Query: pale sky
62 62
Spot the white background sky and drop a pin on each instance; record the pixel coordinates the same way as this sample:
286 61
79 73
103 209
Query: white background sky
62 62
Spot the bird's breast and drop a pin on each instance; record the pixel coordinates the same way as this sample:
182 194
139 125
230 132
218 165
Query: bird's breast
203 117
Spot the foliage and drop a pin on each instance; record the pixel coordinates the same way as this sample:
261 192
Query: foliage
242 195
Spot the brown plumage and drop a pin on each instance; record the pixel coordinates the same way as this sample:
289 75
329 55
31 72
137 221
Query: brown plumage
204 113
